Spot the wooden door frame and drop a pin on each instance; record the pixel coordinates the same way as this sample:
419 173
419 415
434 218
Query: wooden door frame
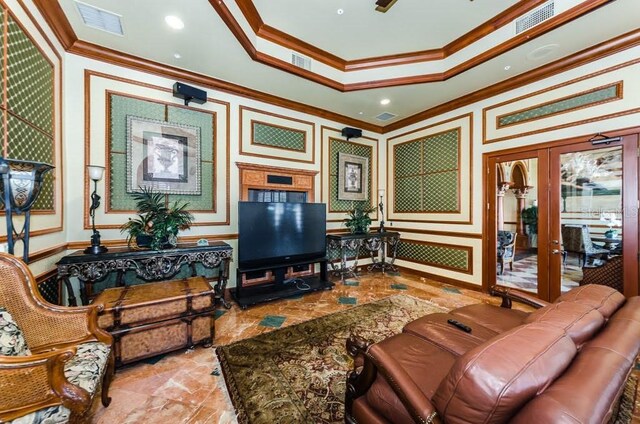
630 185
490 262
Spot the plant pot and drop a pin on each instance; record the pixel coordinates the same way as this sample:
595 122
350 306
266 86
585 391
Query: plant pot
144 240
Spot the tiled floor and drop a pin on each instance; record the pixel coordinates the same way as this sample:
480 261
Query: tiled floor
525 274
187 386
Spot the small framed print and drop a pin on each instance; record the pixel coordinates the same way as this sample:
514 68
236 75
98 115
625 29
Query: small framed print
164 156
353 177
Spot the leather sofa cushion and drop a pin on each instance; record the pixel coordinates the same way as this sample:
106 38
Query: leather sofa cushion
630 311
605 299
436 329
363 413
411 364
491 382
580 321
492 317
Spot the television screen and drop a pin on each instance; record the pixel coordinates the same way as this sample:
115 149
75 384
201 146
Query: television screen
280 233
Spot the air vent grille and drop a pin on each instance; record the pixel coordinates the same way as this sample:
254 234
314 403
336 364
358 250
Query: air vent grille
300 61
385 116
100 18
532 19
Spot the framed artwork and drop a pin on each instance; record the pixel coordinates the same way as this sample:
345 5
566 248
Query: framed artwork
353 177
164 156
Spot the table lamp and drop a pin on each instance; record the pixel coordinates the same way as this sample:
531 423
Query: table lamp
95 173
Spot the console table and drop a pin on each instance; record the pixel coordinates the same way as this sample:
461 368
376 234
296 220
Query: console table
149 265
374 242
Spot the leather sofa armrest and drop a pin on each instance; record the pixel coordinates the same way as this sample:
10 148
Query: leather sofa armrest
508 295
420 407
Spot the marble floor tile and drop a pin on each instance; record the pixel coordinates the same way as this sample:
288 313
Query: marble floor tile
187 386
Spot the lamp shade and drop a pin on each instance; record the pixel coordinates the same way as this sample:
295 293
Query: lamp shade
381 192
22 181
95 172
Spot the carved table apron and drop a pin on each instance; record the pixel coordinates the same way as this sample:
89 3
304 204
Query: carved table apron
149 265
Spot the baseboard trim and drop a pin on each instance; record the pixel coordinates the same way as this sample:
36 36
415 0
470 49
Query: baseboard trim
441 279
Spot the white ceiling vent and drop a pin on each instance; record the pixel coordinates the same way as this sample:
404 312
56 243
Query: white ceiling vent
385 116
300 61
532 19
100 18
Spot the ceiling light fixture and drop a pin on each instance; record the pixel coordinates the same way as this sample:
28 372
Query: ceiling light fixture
174 22
506 68
340 11
385 102
177 55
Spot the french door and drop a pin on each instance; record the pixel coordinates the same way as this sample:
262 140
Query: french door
572 208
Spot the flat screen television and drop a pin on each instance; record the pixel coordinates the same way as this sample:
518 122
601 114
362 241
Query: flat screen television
280 233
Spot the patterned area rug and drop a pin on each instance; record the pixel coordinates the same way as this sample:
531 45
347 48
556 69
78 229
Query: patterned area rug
298 374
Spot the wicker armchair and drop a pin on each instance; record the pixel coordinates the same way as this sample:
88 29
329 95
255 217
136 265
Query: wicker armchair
68 356
607 274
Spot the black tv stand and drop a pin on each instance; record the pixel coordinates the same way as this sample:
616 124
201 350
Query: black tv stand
278 288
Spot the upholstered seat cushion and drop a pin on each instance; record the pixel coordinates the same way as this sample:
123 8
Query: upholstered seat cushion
85 369
492 317
12 342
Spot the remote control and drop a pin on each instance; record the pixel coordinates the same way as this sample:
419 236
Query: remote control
459 325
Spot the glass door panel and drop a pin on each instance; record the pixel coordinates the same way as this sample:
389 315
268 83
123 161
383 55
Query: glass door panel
591 190
517 224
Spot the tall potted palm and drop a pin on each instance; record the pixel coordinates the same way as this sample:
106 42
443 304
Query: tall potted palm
157 224
530 219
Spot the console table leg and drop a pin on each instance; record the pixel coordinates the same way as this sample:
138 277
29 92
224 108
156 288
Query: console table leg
71 297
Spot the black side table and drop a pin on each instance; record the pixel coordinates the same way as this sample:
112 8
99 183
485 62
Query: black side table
149 265
375 242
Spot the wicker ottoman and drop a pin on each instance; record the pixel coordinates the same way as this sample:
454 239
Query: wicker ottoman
149 319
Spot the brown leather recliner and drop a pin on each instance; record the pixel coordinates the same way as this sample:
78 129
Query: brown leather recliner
565 362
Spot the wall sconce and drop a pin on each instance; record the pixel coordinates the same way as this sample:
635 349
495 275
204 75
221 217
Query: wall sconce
95 173
381 206
21 184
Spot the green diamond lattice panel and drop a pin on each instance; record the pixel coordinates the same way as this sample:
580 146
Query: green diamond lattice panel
439 192
407 194
407 159
27 143
564 105
337 146
434 255
29 80
120 108
284 138
2 70
440 152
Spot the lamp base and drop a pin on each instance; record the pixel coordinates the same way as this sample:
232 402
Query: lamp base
95 250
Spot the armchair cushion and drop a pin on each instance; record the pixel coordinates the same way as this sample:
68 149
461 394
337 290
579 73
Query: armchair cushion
12 342
87 366
52 415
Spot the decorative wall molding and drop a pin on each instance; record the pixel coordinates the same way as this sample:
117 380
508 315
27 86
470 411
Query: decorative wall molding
101 86
281 127
437 255
332 142
619 104
462 126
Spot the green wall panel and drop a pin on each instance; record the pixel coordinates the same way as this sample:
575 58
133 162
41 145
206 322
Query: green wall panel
341 146
273 136
426 174
435 255
564 105
27 143
29 80
123 106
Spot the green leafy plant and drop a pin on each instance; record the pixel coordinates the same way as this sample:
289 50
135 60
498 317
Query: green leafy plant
156 220
530 218
359 221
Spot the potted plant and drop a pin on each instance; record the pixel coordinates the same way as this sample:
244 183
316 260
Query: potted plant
359 221
530 219
157 224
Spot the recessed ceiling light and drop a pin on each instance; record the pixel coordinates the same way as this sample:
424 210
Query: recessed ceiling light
542 52
174 22
506 68
385 102
340 11
177 55
360 113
